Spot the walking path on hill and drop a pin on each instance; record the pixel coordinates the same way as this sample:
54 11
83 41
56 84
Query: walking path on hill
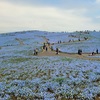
50 52
20 41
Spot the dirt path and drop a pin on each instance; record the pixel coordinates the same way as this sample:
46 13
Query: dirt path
50 52
20 41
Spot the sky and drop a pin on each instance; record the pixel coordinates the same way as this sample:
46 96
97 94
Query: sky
49 15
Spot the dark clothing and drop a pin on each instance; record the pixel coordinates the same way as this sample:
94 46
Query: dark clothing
46 49
97 51
34 52
44 46
57 50
80 52
92 53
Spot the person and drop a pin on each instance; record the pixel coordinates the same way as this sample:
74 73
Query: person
97 51
44 46
79 39
80 52
85 38
57 50
34 51
69 41
46 49
51 48
92 53
48 44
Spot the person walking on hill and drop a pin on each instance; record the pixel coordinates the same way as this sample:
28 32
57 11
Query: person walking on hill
97 51
79 51
92 53
46 48
36 51
57 50
51 48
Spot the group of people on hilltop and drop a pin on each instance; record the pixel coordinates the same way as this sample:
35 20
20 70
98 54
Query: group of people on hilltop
45 47
59 42
80 52
94 52
86 38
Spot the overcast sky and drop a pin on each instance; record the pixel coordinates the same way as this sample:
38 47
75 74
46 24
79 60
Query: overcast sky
49 15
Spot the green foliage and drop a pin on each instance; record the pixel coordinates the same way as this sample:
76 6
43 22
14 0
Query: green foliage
18 60
23 52
60 80
67 59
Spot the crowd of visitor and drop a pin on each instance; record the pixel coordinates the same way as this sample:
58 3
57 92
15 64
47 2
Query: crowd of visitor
47 46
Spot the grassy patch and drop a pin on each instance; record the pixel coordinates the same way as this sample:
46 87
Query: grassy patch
67 59
60 80
23 52
18 60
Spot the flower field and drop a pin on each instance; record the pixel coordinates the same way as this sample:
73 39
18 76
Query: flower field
24 76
